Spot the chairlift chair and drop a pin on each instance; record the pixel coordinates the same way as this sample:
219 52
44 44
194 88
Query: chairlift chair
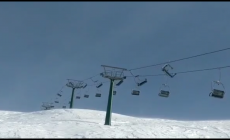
165 69
217 93
98 95
119 83
142 83
59 94
99 85
86 96
138 84
63 106
135 92
78 97
56 102
164 92
84 86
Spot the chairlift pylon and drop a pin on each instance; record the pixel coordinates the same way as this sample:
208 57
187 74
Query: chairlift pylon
70 84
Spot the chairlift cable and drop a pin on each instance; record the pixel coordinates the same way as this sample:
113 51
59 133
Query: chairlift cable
183 72
181 59
167 62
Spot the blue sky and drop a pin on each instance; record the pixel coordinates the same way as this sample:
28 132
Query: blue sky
44 43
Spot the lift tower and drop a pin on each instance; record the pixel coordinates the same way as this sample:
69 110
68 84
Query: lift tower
74 84
112 73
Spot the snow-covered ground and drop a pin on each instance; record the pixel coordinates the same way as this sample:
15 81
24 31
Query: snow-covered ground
79 123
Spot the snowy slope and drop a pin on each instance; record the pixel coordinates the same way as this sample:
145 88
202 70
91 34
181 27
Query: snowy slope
79 123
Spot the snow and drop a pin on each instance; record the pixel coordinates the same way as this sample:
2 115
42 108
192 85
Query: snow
80 123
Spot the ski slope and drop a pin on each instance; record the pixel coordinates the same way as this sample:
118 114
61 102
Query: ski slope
79 123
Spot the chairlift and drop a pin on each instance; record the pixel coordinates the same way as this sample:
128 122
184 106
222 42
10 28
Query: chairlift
119 83
138 84
99 85
163 91
56 101
46 106
166 68
98 95
142 81
135 92
84 86
78 96
86 96
217 93
59 94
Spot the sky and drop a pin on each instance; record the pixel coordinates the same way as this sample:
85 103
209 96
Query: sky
44 43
